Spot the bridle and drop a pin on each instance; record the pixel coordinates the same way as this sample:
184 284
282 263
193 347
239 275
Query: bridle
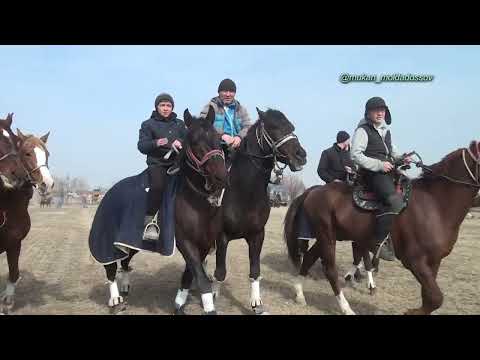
197 165
476 160
264 138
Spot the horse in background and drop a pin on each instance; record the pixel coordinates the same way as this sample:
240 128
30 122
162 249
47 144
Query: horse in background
31 155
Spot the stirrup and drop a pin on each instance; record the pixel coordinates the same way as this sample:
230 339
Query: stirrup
154 223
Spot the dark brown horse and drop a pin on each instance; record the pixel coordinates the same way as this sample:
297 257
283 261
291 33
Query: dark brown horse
198 221
31 156
246 204
422 235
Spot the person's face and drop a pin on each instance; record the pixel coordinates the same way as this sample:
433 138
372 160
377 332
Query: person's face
377 115
344 145
165 108
227 96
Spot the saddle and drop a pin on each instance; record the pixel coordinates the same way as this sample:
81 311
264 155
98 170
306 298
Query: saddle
364 198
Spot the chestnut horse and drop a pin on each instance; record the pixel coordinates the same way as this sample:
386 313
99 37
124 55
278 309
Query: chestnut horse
422 235
31 156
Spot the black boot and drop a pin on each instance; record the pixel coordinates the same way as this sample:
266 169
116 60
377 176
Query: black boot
383 247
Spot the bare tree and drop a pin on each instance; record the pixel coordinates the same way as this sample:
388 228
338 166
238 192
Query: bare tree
294 185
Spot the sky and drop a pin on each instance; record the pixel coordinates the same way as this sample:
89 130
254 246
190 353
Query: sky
93 99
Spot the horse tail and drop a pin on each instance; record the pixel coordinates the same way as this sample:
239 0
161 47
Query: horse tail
290 230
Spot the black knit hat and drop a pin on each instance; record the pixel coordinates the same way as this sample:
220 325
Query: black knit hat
227 85
164 97
375 103
342 136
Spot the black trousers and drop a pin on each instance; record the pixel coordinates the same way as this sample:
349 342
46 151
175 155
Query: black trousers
382 185
158 178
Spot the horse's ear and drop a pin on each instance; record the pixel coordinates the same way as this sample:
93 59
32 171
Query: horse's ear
44 138
187 117
261 113
20 135
9 119
210 115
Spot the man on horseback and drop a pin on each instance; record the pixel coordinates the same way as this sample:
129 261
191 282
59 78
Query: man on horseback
157 136
231 118
335 162
375 154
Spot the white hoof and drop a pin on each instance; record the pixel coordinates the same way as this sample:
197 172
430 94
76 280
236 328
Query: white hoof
301 300
115 301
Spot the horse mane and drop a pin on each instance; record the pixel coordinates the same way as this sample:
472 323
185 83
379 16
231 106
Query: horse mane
440 167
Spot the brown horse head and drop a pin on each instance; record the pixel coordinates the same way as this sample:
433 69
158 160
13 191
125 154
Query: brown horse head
277 132
34 155
203 149
11 171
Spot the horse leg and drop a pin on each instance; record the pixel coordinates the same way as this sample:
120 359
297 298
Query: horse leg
194 258
369 267
255 243
8 296
327 250
182 293
220 266
354 272
123 276
116 301
309 258
432 297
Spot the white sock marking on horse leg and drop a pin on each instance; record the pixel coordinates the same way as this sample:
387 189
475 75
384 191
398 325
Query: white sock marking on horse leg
370 283
361 265
181 298
344 305
115 297
10 289
207 301
298 285
255 299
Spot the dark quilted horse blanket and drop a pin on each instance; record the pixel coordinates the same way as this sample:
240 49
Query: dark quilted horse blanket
118 222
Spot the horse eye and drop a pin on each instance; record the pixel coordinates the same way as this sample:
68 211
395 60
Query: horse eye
28 154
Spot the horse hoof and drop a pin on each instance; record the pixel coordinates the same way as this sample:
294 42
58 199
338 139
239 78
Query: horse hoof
358 276
213 312
300 300
372 291
7 304
179 311
118 309
259 310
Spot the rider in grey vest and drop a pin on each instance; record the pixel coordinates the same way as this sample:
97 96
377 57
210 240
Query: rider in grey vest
373 151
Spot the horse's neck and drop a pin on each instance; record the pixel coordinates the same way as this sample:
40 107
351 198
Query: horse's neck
454 200
247 175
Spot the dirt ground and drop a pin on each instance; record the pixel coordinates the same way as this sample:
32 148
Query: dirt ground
60 277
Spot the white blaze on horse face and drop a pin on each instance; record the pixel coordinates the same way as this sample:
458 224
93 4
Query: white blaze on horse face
344 305
207 301
5 133
255 299
370 283
181 298
41 161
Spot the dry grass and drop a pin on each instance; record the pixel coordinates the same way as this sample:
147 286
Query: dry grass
60 277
